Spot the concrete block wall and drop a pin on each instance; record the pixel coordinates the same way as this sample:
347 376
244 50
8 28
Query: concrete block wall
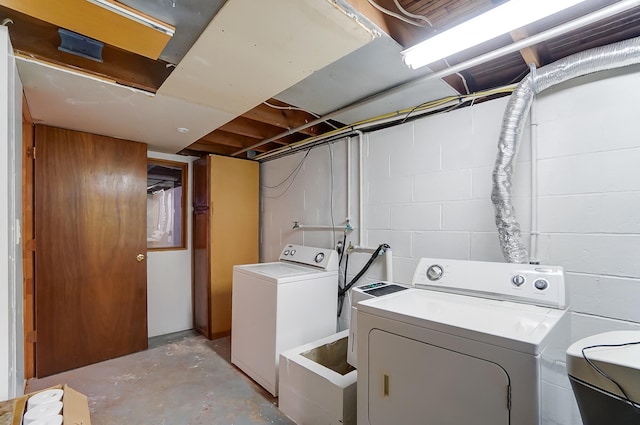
428 185
427 193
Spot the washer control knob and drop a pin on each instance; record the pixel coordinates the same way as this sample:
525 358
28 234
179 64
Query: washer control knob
517 280
541 284
435 272
319 257
293 252
286 252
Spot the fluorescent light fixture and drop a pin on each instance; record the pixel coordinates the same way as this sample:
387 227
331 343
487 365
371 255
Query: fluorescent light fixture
500 20
127 12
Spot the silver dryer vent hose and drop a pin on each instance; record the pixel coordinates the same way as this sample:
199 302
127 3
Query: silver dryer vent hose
612 56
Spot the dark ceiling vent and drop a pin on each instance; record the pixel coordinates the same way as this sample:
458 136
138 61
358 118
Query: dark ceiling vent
79 45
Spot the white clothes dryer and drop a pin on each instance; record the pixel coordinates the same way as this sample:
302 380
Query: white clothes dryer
466 346
280 305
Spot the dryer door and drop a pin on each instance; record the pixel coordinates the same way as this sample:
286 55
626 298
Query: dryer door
412 382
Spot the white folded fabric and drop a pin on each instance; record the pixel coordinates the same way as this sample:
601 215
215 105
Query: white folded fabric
42 397
41 411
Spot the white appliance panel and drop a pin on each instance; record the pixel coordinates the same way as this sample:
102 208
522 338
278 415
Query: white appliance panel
516 326
457 349
277 270
253 318
361 293
306 311
523 369
278 306
400 393
528 283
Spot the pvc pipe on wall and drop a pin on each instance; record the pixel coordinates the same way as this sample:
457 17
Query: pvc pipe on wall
298 225
533 242
349 181
360 190
388 265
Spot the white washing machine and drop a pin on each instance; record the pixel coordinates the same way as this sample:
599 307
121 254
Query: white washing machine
281 305
466 346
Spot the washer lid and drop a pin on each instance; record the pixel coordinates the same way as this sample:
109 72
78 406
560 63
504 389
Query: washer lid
519 327
282 272
620 363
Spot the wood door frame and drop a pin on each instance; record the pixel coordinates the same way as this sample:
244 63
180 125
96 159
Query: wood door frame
28 245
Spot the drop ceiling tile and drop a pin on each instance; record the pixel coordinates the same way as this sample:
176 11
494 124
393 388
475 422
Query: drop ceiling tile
371 69
253 50
74 101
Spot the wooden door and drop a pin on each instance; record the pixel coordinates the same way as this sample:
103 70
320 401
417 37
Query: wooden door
90 214
225 233
234 214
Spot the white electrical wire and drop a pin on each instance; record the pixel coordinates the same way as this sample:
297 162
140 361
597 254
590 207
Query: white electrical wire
395 15
293 175
295 108
464 80
290 108
411 15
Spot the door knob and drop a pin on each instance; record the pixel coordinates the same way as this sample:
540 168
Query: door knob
140 257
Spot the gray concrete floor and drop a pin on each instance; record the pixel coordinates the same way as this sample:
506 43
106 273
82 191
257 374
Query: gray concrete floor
182 378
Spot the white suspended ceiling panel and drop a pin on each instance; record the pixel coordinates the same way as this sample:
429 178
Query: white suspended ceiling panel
65 99
253 50
375 67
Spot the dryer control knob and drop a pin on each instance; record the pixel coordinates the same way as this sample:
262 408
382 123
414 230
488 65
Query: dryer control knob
517 280
435 272
541 284
319 257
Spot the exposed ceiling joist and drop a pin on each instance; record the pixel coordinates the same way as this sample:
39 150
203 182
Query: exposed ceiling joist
286 117
529 54
226 138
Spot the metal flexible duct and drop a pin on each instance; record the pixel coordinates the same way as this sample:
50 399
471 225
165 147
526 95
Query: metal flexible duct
615 55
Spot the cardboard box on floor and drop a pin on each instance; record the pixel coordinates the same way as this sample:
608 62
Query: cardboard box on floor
75 407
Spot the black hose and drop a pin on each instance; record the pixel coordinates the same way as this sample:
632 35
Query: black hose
361 273
340 294
344 248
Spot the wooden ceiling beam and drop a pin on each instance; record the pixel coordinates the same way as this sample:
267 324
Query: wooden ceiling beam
285 118
224 138
245 127
200 147
529 54
210 148
250 128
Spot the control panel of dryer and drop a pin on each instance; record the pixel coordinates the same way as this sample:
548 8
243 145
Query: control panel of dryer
528 283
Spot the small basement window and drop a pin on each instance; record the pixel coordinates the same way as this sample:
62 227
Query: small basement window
166 204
